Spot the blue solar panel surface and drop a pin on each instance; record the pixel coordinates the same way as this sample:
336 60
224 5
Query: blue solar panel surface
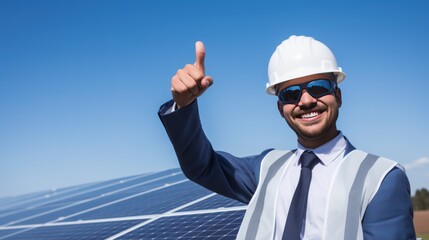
220 225
163 205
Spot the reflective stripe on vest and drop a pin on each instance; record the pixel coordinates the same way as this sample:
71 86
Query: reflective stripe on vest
355 182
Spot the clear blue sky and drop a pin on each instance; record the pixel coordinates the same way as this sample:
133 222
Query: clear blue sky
81 82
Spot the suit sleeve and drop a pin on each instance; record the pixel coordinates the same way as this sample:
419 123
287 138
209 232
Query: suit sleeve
390 213
217 171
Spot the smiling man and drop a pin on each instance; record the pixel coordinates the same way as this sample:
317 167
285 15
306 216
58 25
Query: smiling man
323 189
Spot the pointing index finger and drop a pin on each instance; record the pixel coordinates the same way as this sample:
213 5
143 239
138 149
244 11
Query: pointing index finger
200 54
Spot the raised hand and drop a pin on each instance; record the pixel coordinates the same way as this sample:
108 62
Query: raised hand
190 82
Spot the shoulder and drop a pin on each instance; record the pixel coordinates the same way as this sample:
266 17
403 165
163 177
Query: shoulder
396 181
276 154
390 211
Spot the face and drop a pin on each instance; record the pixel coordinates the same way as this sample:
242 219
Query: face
312 119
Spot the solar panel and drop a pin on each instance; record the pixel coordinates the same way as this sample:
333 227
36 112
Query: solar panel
74 231
217 225
95 202
162 205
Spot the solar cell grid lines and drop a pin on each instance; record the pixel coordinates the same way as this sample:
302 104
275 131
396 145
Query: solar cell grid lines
162 205
221 225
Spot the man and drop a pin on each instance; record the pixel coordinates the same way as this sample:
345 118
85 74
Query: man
325 189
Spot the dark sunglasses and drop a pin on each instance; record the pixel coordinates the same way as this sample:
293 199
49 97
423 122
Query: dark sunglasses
316 88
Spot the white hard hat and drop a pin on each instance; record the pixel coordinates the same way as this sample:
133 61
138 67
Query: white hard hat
300 56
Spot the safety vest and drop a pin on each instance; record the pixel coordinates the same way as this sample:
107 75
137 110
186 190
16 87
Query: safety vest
355 182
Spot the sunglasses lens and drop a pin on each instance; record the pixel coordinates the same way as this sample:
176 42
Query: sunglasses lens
316 88
290 94
319 88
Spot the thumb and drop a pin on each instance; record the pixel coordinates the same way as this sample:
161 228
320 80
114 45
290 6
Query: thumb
206 82
200 53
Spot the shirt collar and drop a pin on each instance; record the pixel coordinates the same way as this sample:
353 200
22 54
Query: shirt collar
328 152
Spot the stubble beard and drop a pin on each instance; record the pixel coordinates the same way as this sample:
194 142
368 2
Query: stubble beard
324 133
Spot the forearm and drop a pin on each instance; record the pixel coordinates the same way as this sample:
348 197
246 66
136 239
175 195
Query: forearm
220 172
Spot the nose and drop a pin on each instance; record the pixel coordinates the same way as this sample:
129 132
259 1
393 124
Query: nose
306 100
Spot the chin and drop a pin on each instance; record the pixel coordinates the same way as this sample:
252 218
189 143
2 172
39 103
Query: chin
309 133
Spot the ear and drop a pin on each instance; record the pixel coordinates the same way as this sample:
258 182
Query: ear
338 97
280 108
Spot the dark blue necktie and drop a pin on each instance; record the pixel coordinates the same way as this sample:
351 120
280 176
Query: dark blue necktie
298 206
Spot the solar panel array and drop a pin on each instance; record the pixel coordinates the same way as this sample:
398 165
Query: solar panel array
163 205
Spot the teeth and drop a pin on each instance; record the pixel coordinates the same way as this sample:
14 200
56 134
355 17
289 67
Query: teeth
309 115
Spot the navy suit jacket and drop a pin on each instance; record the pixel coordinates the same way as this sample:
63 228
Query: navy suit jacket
388 216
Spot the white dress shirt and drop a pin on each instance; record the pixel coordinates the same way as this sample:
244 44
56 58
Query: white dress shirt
322 173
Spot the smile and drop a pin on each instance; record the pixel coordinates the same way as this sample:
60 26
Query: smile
309 115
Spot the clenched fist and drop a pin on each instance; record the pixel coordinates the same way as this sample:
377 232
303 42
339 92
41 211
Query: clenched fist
190 82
